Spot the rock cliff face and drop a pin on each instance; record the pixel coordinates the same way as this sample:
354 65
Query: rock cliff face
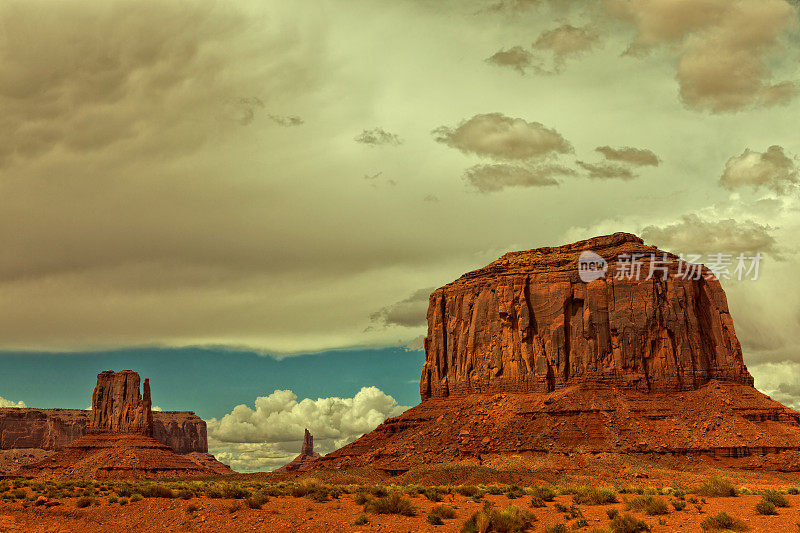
118 406
527 322
52 429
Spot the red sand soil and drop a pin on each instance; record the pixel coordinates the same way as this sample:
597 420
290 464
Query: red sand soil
286 514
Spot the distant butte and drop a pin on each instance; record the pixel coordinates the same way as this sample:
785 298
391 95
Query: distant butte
523 356
118 442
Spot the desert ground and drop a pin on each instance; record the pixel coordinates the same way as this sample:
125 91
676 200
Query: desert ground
702 498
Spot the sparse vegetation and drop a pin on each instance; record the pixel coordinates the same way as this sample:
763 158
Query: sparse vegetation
775 498
594 496
546 494
394 503
716 487
439 513
84 501
628 524
362 519
723 522
649 504
765 507
512 519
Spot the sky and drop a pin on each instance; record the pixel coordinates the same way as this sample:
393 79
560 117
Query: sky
235 184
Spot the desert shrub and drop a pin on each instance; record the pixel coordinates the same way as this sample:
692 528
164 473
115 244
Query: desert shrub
537 502
156 491
123 501
362 497
580 523
432 494
136 497
512 519
184 494
546 494
362 519
394 503
19 494
716 486
678 493
113 499
213 492
612 513
765 507
494 490
560 507
467 490
379 491
649 504
723 521
679 505
123 492
254 502
628 524
514 491
775 498
594 496
439 513
84 501
557 528
234 492
573 512
793 490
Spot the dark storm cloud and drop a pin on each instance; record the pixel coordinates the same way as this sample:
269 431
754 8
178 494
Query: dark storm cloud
378 137
496 177
626 154
500 137
605 171
516 57
410 312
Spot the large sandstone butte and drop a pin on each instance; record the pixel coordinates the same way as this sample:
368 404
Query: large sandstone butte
523 357
527 323
119 440
117 405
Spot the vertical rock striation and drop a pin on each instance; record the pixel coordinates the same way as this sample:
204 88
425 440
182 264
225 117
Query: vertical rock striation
118 406
528 323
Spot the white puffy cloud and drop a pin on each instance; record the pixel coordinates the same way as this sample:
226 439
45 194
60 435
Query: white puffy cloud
9 403
515 57
498 136
270 434
771 169
724 48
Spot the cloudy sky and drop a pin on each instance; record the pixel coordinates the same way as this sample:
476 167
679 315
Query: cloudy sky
285 178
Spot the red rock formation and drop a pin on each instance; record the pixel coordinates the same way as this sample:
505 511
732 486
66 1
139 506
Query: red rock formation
117 405
527 323
118 443
53 429
122 456
522 356
306 458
